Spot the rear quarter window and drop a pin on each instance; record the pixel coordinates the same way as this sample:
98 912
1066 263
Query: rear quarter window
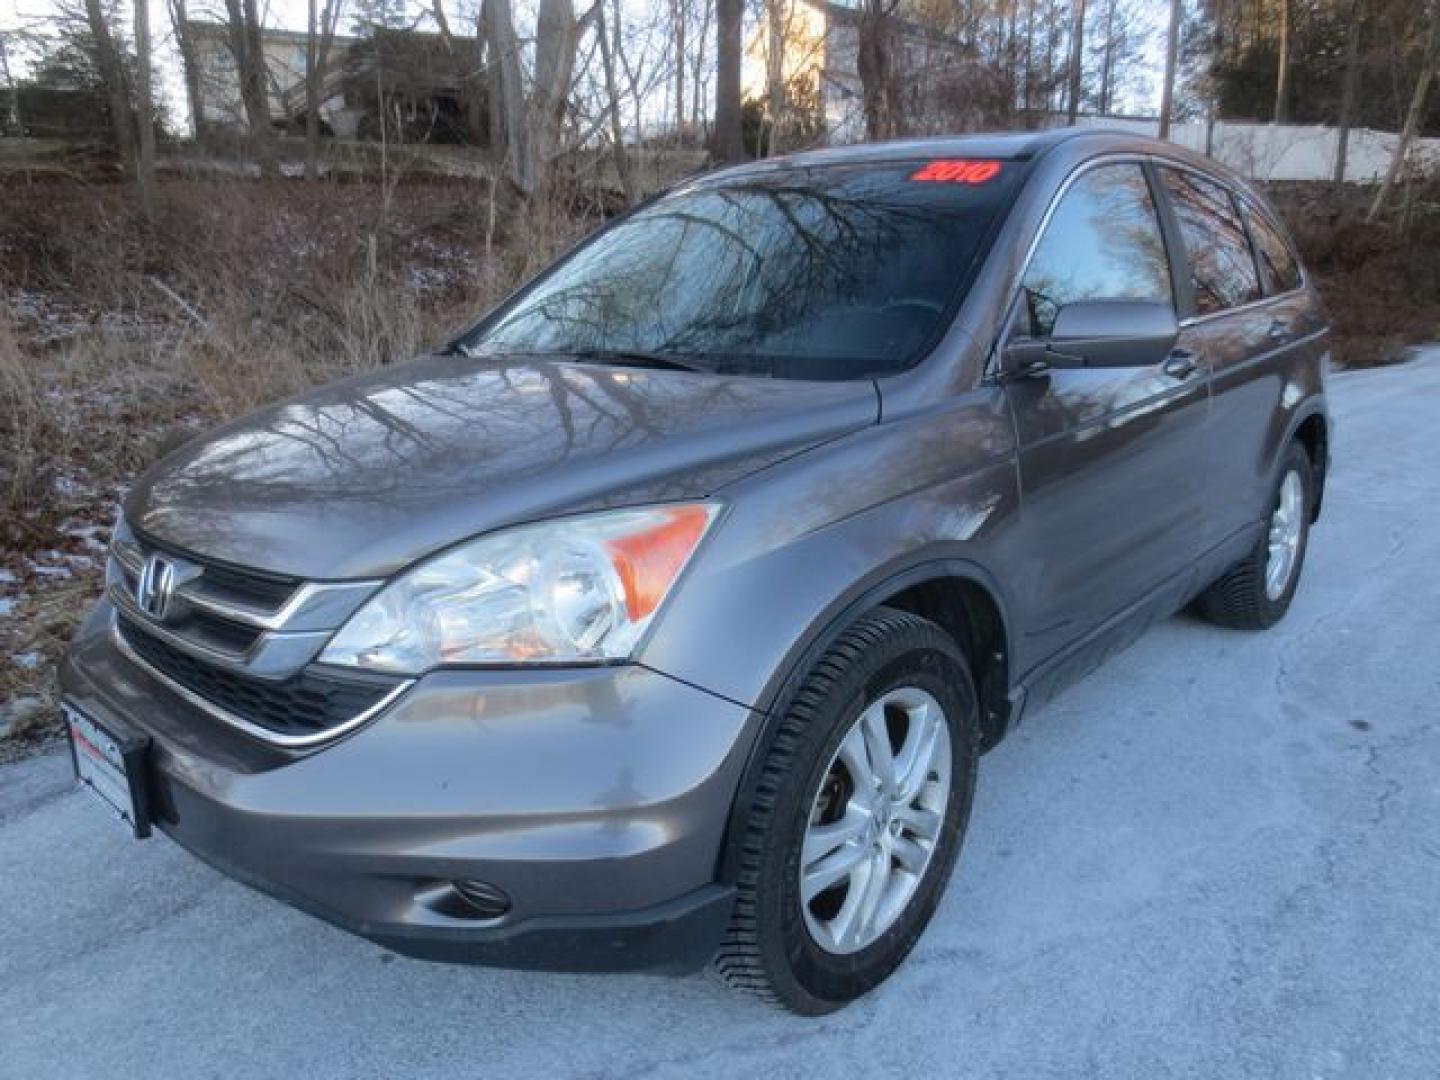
1278 264
1222 268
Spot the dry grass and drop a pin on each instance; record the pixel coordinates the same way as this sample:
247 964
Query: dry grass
119 337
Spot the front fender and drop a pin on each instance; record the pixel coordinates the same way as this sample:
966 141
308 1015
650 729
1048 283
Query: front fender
807 542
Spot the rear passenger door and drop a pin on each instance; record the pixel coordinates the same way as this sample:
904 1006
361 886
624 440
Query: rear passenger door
1247 316
1110 458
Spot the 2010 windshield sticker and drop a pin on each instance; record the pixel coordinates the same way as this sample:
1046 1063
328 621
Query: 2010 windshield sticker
958 172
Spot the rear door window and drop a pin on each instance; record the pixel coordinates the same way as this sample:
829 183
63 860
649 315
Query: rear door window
1222 268
1103 242
1277 262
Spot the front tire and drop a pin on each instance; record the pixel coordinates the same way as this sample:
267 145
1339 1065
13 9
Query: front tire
856 818
1255 594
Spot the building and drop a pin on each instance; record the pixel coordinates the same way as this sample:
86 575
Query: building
425 86
818 47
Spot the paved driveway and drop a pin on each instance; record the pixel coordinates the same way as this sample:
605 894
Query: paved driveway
1219 856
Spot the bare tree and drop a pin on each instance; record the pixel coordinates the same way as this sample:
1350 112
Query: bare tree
319 39
699 65
727 144
1347 90
556 34
677 32
878 92
189 64
507 92
1428 64
1077 55
144 109
247 48
1172 53
528 126
608 47
1282 81
112 74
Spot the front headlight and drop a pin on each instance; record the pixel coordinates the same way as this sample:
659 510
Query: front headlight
575 590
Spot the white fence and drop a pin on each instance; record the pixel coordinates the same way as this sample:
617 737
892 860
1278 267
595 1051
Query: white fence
1288 151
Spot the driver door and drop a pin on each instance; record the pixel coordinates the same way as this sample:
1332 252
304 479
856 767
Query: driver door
1111 459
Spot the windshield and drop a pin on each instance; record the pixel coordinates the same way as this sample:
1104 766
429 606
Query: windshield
833 272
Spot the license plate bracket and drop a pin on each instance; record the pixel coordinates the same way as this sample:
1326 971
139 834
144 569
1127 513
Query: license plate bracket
109 760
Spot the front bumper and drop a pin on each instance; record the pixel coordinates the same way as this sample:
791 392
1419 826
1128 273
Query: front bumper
595 799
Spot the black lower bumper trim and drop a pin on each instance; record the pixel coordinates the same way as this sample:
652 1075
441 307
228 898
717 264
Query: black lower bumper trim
675 938
678 937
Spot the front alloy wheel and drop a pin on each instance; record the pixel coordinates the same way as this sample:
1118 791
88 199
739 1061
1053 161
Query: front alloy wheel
875 820
854 815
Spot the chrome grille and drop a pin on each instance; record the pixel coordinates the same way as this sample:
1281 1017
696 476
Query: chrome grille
239 642
306 704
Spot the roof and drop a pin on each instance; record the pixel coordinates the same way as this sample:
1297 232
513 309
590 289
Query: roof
1003 146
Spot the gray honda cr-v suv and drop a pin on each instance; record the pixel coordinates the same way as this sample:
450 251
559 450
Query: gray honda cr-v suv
660 619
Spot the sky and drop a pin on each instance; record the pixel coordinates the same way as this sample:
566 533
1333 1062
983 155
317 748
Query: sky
292 14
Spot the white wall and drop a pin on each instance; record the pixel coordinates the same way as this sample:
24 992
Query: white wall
1288 151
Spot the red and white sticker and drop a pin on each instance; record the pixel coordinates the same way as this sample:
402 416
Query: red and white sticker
958 171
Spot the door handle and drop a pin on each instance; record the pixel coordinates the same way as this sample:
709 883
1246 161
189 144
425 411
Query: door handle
1180 364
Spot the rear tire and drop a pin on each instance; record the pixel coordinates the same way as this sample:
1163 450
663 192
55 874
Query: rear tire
1255 594
888 710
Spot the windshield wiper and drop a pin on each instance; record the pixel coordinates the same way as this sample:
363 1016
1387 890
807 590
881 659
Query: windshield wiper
635 358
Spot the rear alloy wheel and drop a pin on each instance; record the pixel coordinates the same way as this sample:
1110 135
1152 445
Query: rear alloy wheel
856 816
1256 592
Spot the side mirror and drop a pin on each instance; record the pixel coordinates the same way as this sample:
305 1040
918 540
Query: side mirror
1101 333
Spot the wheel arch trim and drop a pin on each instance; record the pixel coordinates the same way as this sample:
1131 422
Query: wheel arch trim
865 595
1313 410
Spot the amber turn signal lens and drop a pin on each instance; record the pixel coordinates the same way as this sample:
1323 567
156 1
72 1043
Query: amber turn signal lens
647 562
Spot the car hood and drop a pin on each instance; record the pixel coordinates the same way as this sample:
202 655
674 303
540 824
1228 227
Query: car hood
361 477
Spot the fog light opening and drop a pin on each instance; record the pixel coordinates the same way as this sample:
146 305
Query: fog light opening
485 900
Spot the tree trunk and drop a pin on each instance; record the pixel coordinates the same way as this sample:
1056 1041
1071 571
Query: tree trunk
189 67
727 144
1027 90
697 82
555 42
875 73
1077 57
1107 64
507 94
245 44
1282 83
1172 51
112 74
612 109
144 110
1347 90
1414 115
677 26
774 69
312 92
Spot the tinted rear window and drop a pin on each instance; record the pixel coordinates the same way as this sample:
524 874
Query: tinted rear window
832 272
1222 270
